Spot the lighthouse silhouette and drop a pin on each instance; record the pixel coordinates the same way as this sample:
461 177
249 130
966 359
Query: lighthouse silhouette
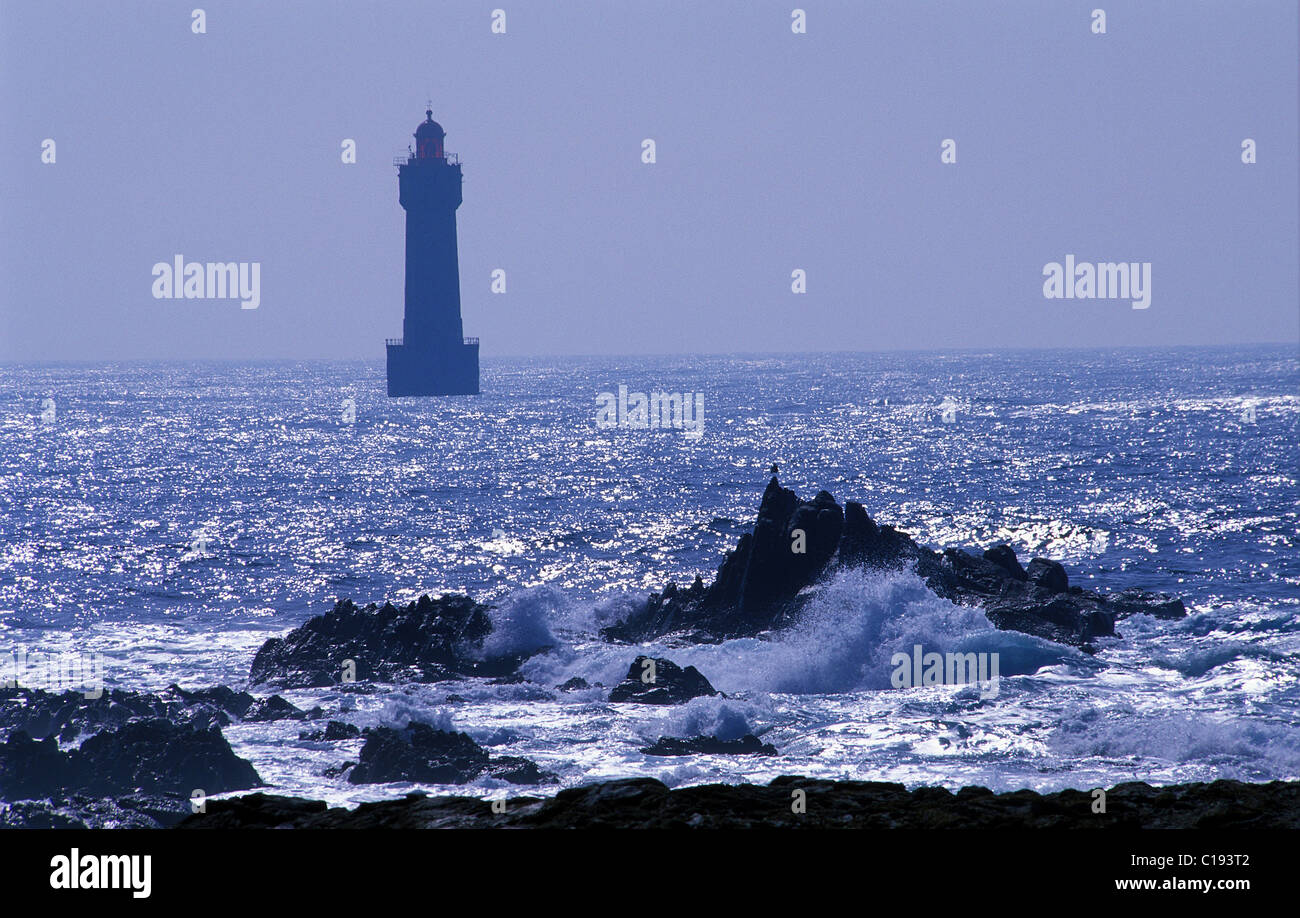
432 357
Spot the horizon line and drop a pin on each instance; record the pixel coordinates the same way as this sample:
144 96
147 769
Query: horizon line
589 356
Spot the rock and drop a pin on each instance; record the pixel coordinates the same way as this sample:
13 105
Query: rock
1063 618
338 771
276 708
1133 601
152 756
518 770
645 803
426 641
234 703
1048 575
267 810
574 684
133 811
963 573
1004 556
334 730
670 683
69 715
419 753
748 744
762 584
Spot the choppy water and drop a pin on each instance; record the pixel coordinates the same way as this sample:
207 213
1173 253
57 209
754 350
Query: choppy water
172 517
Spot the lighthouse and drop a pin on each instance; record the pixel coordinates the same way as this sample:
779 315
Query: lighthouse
432 357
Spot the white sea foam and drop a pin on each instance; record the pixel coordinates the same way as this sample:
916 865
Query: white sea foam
724 718
854 623
521 623
1243 748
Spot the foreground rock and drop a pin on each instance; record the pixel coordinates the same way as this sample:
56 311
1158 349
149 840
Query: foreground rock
759 585
749 744
661 681
151 756
142 754
421 754
427 641
644 803
134 811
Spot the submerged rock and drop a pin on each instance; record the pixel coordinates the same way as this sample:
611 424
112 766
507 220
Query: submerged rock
426 641
760 585
749 744
660 681
422 754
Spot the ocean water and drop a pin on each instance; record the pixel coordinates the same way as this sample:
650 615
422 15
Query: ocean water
172 517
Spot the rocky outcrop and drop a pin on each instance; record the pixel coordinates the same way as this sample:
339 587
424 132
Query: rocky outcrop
660 681
426 641
243 706
760 584
69 715
151 756
749 744
422 754
645 803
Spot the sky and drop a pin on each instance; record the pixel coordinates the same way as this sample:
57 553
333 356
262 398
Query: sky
774 152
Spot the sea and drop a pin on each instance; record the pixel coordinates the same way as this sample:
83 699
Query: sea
168 518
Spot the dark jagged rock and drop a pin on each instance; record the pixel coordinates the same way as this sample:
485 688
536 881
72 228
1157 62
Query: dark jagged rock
1047 575
1004 556
760 585
422 754
427 641
69 715
518 770
276 708
264 810
749 744
334 730
418 753
671 684
645 803
575 684
153 756
244 706
234 703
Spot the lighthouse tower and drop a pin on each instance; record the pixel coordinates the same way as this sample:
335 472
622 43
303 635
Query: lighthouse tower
432 357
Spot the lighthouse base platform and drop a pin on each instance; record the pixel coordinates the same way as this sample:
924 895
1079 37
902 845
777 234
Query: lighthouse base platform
433 369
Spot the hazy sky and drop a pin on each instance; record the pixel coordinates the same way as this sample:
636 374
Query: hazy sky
775 151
